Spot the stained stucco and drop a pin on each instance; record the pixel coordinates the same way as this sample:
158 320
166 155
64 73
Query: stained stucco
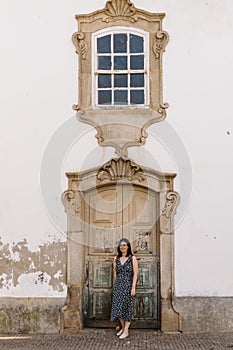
32 273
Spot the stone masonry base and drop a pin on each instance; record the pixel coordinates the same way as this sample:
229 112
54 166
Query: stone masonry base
30 315
205 314
43 315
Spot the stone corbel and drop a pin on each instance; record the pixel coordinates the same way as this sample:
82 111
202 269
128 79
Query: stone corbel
78 39
168 212
71 202
161 40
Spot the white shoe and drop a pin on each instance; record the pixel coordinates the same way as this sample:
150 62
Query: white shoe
123 336
120 332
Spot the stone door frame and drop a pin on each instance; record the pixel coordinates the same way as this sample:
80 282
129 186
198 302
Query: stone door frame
112 172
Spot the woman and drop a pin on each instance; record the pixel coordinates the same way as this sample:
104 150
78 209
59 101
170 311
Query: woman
125 268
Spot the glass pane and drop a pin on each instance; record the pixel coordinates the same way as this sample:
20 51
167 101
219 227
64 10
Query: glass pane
104 81
137 80
136 43
120 43
137 62
104 62
120 62
104 44
121 97
120 80
105 97
137 97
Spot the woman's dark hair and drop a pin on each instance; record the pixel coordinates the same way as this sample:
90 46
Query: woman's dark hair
129 250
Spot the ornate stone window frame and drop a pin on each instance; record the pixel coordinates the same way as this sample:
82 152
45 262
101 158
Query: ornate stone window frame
130 123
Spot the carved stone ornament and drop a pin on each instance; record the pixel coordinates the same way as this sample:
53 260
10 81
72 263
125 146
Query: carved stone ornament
71 202
168 212
118 169
161 40
78 39
119 8
162 109
171 204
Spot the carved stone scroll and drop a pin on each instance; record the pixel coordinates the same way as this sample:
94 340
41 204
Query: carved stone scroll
71 202
168 212
162 109
161 40
117 169
78 39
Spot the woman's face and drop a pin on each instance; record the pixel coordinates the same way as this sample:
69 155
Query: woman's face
123 247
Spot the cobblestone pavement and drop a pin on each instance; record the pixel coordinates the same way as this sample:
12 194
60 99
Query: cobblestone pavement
91 339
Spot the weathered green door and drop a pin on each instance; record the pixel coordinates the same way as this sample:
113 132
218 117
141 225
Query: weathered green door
113 212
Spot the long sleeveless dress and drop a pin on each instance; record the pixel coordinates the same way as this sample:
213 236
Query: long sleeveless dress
122 301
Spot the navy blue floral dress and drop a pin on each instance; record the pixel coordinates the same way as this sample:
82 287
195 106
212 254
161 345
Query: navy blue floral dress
122 301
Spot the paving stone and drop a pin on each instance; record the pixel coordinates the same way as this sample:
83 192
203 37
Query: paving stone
90 339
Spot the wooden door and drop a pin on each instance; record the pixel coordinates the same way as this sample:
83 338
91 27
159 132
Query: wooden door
111 213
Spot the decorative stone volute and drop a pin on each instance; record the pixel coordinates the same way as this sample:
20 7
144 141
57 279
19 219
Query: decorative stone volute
168 212
71 202
161 40
80 44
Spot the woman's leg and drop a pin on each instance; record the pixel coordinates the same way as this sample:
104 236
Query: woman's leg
122 322
126 328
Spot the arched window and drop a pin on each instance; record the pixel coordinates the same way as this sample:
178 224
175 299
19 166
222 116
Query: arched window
120 68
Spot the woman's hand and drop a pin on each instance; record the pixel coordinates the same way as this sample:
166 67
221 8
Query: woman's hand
133 291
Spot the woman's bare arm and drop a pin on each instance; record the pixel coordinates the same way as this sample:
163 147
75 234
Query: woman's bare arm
135 275
114 270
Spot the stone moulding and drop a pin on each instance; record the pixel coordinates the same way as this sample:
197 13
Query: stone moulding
121 9
117 169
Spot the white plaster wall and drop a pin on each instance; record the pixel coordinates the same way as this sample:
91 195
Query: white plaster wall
41 140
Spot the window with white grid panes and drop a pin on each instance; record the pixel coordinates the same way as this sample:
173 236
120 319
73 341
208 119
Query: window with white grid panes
121 69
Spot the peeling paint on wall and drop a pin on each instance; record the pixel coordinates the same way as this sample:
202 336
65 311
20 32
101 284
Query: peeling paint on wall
42 270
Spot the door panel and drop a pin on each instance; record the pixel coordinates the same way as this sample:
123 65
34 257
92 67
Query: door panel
139 219
104 220
111 213
100 291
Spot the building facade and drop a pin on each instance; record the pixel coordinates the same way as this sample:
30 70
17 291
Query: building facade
125 165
